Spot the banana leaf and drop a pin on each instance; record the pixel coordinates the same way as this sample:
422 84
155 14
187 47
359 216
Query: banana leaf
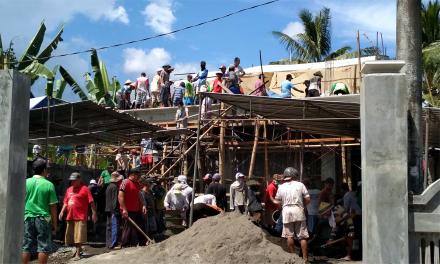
100 78
32 50
38 69
116 85
47 52
91 87
72 83
60 86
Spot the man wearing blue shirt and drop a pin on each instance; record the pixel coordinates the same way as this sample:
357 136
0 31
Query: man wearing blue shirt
286 87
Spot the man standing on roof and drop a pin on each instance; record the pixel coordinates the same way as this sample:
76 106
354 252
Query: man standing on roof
188 99
293 196
165 85
40 213
155 89
238 69
217 84
76 202
182 116
201 76
143 91
315 85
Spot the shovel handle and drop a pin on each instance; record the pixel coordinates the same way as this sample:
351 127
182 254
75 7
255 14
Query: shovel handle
139 229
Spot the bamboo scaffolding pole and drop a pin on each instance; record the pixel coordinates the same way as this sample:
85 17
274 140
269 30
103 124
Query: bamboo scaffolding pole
254 149
196 160
425 172
221 153
266 154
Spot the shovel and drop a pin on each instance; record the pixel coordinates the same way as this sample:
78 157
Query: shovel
140 230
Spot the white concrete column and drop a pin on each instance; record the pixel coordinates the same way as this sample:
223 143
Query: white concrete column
14 131
384 130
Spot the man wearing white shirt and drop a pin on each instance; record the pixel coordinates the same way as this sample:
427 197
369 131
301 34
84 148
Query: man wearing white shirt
293 196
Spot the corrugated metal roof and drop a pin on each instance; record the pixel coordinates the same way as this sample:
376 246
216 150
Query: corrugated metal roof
332 115
86 123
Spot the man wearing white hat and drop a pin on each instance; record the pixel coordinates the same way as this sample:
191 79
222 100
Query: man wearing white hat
239 194
179 197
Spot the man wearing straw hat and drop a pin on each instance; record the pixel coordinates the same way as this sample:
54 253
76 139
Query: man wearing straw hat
315 85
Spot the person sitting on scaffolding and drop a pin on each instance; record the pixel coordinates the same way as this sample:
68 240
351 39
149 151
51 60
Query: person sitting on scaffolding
286 89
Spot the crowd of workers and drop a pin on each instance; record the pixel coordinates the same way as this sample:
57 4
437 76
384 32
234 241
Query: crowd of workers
135 207
161 91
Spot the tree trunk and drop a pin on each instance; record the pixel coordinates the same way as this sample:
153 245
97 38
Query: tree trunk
409 49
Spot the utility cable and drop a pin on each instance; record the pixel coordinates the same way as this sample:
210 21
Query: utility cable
159 35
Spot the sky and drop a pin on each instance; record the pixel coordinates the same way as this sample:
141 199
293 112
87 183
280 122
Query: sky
96 23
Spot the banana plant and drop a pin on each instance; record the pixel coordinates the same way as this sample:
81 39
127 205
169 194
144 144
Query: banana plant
99 86
36 69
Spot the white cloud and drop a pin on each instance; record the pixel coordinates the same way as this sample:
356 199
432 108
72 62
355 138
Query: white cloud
366 16
117 14
53 13
159 16
293 28
139 60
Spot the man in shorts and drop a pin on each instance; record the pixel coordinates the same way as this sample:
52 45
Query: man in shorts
76 203
39 213
293 196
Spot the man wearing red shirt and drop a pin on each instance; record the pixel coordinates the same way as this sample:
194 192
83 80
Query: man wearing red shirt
76 202
131 207
216 87
270 206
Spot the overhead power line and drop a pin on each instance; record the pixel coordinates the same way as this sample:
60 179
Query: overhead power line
160 35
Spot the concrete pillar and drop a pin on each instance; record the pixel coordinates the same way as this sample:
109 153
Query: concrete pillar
14 131
384 130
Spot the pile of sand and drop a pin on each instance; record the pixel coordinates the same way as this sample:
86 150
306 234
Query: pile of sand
227 238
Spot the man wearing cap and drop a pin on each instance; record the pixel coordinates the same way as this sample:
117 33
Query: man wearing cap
286 88
218 190
293 196
165 84
223 70
76 203
205 205
40 213
315 85
112 209
238 194
131 207
207 179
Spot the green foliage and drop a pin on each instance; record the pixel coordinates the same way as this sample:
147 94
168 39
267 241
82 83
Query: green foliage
430 22
67 78
36 69
315 43
31 52
431 70
99 85
115 87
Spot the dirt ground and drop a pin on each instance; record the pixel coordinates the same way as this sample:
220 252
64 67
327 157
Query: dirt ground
228 238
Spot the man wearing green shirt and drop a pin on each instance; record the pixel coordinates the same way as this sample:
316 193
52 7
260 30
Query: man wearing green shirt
40 211
188 98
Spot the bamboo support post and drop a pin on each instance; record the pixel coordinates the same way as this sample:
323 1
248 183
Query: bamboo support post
221 153
266 154
359 57
162 169
254 149
344 164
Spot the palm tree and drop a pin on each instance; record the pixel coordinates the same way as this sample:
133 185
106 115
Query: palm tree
315 43
430 22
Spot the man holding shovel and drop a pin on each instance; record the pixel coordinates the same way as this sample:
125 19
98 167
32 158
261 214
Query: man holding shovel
131 208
